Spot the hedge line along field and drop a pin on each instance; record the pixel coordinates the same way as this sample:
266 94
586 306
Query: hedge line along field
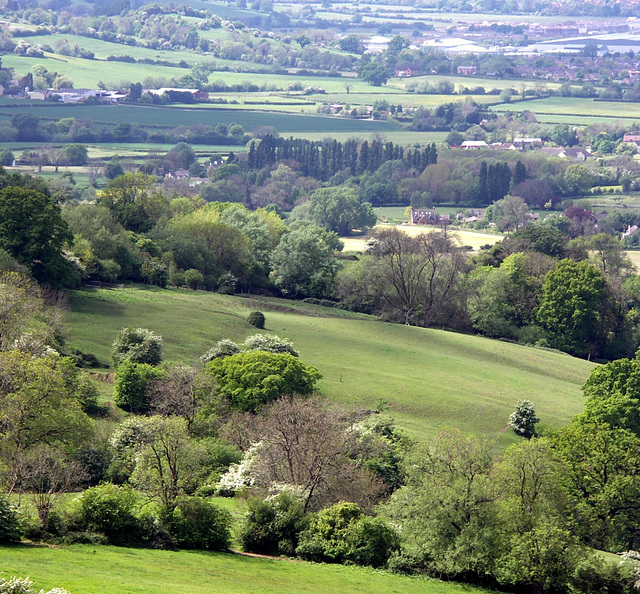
168 117
86 569
429 379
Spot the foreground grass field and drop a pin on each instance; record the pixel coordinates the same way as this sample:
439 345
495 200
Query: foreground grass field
429 379
84 569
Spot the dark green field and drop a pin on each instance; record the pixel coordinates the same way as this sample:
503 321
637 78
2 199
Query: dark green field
429 378
165 117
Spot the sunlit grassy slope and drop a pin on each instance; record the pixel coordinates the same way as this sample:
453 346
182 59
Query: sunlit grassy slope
428 378
84 569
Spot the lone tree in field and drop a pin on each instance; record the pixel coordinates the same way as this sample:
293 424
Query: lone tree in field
138 345
523 420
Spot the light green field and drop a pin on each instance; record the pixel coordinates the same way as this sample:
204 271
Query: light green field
634 256
87 569
396 97
403 137
102 49
88 73
127 149
294 106
329 83
570 108
488 82
474 239
430 378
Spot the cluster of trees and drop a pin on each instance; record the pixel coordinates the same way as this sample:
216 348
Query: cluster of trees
516 290
28 127
537 287
137 233
322 160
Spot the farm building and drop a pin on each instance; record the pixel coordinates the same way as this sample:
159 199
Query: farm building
428 216
196 93
474 144
377 44
574 154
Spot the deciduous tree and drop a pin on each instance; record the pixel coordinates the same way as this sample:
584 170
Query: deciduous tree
33 231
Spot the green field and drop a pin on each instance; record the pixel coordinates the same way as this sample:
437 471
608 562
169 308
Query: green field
88 73
87 569
429 378
163 117
576 110
102 49
473 239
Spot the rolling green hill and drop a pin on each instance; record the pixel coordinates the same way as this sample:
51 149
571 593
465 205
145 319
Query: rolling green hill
428 378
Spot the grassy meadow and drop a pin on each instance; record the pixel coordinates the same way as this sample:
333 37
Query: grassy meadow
576 110
473 239
427 378
86 569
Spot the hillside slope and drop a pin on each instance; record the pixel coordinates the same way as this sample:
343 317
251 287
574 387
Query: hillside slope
428 378
87 569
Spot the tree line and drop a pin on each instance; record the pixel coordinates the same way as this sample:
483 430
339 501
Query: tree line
323 159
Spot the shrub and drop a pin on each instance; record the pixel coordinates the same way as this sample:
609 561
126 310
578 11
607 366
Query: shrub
250 380
17 585
223 348
108 509
193 278
9 523
273 527
138 345
130 385
269 343
523 420
257 319
198 524
342 533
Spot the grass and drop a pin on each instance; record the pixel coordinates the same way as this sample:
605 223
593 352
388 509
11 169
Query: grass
634 256
87 73
488 82
86 569
575 110
429 378
473 239
404 137
102 49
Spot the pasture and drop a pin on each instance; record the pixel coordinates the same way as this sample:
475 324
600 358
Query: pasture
488 82
88 73
429 379
86 569
473 239
576 110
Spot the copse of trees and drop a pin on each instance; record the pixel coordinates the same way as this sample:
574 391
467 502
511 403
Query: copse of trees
323 159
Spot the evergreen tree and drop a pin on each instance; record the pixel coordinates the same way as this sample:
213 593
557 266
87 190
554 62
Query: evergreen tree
520 173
